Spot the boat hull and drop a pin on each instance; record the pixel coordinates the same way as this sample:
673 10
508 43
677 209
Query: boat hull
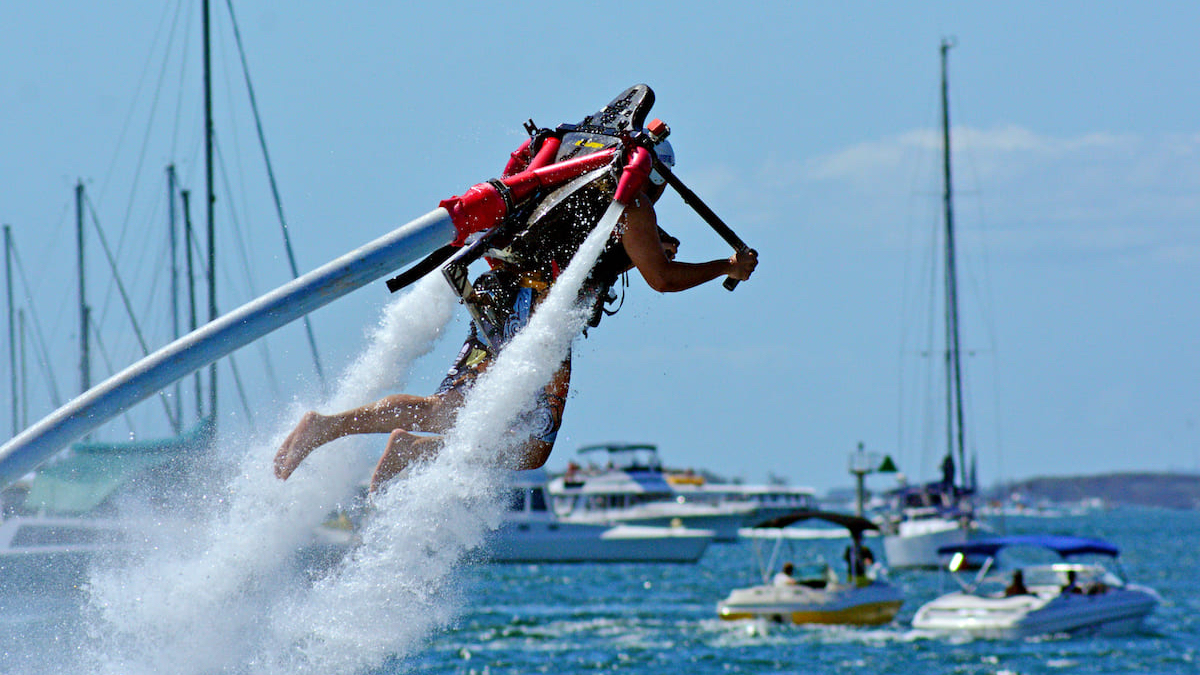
915 544
566 543
1115 612
724 524
871 605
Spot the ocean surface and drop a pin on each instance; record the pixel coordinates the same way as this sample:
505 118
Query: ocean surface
656 619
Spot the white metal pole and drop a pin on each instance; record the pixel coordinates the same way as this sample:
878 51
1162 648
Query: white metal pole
25 451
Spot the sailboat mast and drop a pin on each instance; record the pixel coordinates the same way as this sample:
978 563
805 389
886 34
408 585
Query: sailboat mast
12 337
954 408
210 201
173 238
85 370
185 197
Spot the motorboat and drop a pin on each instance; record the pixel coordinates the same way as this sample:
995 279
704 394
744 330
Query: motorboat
818 596
532 532
631 488
1060 597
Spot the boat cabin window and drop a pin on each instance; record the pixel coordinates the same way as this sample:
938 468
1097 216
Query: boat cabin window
516 499
537 500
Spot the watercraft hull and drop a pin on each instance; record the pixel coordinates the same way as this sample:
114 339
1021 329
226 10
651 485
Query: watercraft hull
562 543
1115 612
871 605
916 543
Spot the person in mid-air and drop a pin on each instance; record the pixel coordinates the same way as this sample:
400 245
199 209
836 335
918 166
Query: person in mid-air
514 287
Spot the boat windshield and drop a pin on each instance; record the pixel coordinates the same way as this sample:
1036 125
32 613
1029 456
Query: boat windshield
1056 575
812 572
1049 577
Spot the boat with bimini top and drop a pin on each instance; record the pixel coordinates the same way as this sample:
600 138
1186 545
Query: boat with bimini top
818 596
1038 599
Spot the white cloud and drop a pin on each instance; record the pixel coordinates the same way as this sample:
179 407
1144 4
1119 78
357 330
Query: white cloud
1093 193
1009 143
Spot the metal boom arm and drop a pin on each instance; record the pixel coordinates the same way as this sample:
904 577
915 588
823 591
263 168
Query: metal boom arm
205 345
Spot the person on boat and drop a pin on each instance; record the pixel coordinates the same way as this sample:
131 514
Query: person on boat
515 289
784 576
1017 586
861 562
1072 585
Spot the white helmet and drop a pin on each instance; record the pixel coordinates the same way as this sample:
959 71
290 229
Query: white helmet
666 155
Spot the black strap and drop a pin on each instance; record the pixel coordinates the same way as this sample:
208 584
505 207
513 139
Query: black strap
430 263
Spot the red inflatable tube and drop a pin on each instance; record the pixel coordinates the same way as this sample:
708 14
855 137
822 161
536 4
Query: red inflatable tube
523 159
546 155
519 159
635 175
483 206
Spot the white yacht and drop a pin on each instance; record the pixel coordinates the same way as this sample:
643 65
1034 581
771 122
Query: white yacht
770 501
1062 597
928 516
631 488
533 533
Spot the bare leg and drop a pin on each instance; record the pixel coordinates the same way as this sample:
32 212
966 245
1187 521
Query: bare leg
402 450
399 411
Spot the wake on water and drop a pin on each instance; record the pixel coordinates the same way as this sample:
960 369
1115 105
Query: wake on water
223 593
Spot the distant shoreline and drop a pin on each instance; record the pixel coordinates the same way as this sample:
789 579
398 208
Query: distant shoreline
1165 490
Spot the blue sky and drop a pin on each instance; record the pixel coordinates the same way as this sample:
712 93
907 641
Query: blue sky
811 128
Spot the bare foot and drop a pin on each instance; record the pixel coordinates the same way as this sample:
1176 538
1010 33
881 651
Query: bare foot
308 435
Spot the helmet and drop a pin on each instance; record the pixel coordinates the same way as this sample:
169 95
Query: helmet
666 155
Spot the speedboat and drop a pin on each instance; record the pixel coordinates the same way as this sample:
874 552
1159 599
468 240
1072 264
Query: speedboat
864 598
1062 597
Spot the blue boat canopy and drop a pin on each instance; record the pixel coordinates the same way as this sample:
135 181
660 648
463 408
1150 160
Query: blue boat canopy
1063 545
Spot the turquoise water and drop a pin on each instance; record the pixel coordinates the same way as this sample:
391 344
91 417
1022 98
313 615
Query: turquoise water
656 619
660 619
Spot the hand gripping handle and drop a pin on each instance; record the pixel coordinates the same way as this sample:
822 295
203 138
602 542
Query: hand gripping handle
707 214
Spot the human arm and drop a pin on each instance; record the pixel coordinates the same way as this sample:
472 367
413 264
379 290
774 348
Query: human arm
643 245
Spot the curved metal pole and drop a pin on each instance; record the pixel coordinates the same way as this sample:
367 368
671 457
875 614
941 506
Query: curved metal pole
410 242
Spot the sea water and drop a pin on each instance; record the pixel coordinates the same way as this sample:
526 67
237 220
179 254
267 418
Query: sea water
221 591
649 619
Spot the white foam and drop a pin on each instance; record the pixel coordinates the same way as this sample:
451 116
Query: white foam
220 594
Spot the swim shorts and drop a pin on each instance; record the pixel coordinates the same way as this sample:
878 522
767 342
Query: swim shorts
545 419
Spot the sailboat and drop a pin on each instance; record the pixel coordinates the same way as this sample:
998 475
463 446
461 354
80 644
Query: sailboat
77 505
57 518
928 516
